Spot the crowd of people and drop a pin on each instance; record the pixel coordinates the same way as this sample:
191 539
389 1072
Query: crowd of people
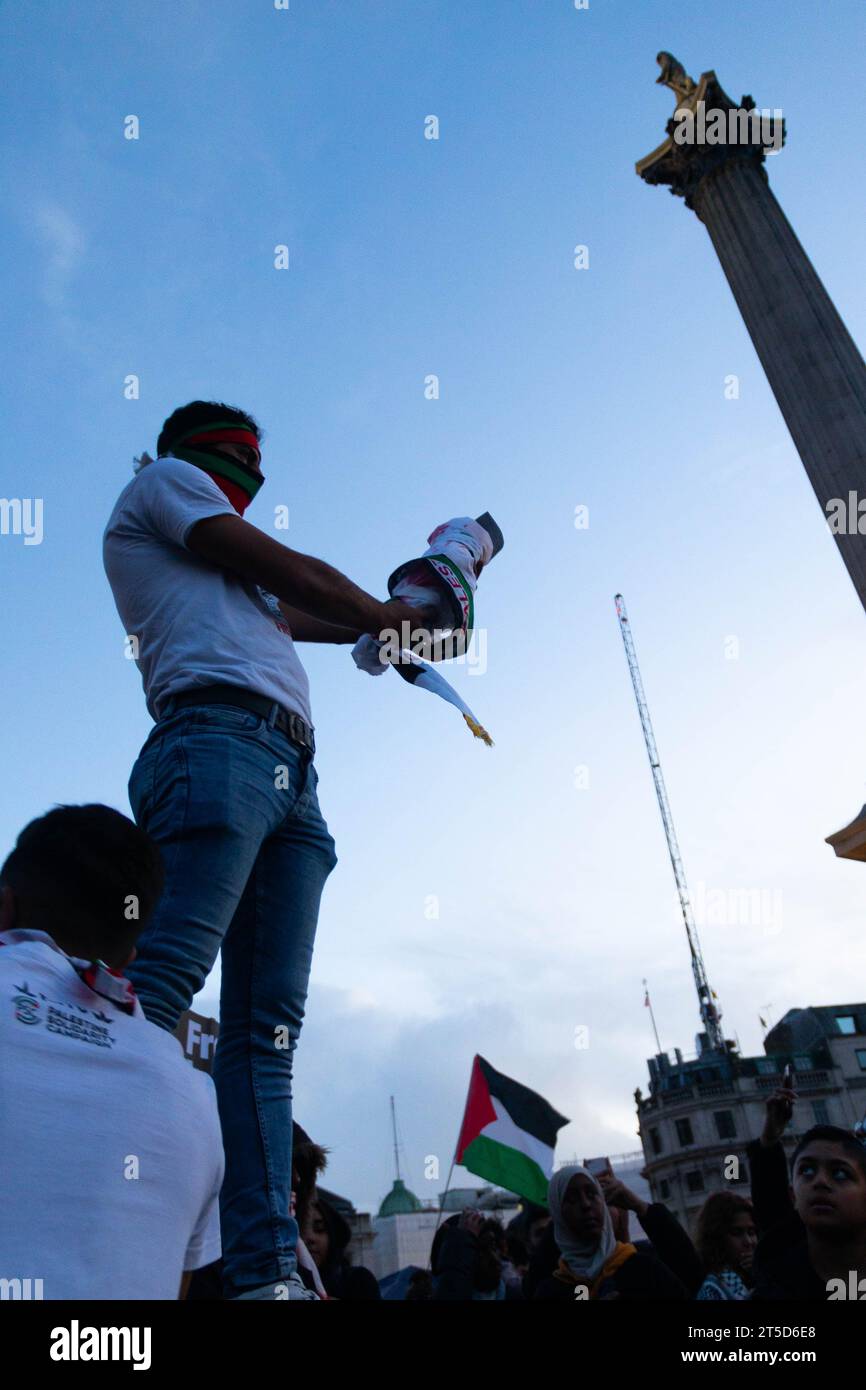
799 1236
127 1174
112 1151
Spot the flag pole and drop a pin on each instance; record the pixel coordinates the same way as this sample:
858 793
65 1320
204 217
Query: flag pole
448 1183
652 1015
441 1208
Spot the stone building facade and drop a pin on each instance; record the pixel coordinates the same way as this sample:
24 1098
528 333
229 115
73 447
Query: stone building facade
701 1113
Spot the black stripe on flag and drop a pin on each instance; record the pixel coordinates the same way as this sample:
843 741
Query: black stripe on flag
529 1111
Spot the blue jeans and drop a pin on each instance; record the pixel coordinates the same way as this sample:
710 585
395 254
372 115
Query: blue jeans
232 803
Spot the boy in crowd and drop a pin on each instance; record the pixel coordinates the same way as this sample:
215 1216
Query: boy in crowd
110 1145
813 1228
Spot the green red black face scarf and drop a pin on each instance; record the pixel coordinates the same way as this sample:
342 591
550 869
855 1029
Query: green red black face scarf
238 481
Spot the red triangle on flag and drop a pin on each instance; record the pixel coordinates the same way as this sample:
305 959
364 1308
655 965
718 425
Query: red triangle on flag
479 1110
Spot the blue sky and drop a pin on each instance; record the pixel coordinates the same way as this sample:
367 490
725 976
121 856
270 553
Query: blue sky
558 388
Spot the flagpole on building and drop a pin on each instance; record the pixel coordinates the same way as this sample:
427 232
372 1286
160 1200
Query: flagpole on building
649 1006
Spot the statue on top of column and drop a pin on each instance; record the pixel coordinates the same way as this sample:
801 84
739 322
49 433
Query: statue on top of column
674 75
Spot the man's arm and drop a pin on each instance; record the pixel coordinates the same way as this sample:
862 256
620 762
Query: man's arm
308 629
313 587
769 1166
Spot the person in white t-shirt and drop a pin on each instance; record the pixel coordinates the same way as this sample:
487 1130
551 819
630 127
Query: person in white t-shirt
110 1148
226 785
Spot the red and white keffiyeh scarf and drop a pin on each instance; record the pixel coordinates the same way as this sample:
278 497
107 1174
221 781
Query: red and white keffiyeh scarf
107 983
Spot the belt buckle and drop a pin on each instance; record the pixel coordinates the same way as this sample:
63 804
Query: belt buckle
303 733
296 729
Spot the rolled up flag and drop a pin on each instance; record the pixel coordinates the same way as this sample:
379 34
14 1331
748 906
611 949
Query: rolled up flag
443 582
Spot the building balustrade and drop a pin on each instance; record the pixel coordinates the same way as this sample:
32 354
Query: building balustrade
801 1081
679 1096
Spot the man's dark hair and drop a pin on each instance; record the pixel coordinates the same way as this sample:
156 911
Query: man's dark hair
308 1161
188 417
88 876
832 1134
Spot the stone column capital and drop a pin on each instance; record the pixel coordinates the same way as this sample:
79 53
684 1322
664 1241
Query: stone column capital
707 132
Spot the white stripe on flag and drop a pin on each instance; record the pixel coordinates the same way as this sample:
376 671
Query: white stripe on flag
503 1130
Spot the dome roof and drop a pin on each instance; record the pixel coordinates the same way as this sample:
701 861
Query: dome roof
399 1201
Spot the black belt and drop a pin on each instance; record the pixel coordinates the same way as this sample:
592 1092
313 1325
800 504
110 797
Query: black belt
286 721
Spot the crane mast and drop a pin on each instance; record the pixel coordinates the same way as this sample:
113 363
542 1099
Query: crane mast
710 1014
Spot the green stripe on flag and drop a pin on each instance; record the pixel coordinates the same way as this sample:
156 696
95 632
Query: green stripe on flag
507 1167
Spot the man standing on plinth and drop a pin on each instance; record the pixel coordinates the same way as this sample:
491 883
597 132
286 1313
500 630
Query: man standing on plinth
226 785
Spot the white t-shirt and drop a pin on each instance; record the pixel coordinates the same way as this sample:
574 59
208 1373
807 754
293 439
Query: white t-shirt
111 1156
194 624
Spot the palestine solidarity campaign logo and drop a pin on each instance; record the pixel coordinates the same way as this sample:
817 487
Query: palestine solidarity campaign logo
26 1005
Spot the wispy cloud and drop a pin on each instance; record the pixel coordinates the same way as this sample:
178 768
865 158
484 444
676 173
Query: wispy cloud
63 244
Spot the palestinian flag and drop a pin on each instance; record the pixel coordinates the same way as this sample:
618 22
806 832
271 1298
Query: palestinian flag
508 1133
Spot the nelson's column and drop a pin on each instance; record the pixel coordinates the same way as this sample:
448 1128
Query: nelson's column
716 164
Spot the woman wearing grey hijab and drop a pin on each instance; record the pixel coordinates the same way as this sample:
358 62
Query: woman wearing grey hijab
593 1263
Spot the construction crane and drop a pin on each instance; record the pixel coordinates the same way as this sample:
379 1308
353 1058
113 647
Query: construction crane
710 1013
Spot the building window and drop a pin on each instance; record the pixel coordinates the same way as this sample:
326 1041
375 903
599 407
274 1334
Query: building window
725 1125
802 1063
664 1189
684 1132
695 1181
845 1023
655 1140
767 1066
860 1054
819 1110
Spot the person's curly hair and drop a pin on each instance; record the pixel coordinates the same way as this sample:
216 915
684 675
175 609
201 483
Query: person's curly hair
714 1223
